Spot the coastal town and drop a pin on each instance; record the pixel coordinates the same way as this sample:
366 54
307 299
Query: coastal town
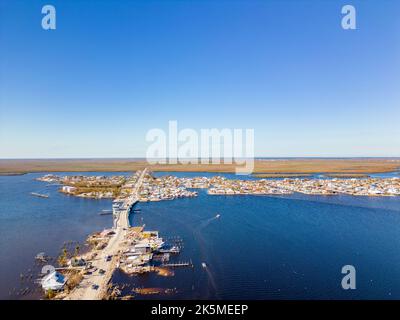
96 187
354 187
170 187
130 249
134 250
139 252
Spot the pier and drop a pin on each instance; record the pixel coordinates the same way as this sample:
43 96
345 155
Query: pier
178 264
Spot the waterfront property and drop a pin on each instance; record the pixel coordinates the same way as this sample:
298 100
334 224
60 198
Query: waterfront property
355 187
129 249
135 251
132 249
171 187
359 230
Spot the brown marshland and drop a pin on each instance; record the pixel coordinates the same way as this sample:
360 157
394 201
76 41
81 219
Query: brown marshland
274 166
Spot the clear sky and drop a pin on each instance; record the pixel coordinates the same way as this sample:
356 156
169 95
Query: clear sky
112 70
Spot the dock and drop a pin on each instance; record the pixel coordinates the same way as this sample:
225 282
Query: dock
178 264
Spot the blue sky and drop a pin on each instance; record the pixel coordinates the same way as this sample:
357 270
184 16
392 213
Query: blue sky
112 70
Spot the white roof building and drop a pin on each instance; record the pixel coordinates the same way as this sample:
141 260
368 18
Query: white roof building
68 189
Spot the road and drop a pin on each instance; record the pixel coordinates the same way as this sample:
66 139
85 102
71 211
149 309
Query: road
85 291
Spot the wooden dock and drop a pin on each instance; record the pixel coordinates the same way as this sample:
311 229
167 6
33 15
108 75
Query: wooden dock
178 264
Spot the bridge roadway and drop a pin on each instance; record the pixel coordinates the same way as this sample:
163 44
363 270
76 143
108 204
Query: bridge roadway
85 290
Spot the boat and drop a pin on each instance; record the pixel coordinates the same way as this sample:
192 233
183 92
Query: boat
217 216
39 195
172 249
105 212
41 256
53 281
204 265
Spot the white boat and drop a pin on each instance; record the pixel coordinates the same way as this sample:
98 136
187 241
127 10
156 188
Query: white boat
204 265
217 216
41 256
105 212
53 281
173 249
39 195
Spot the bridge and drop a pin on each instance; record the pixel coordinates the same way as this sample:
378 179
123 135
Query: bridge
123 207
94 286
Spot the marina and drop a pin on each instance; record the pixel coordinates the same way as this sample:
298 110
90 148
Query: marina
129 249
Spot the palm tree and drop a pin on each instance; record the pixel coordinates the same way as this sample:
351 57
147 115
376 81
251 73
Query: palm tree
77 248
62 259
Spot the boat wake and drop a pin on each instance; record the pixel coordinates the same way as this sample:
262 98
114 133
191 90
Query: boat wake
205 223
210 278
197 232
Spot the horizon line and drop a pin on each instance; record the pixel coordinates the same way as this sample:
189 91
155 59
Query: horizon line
221 158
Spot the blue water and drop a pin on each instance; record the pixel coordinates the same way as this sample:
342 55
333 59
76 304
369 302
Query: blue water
261 247
29 225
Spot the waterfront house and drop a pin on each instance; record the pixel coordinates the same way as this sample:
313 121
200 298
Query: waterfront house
77 262
142 247
68 189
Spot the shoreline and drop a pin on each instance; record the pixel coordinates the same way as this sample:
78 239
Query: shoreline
10 174
240 188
